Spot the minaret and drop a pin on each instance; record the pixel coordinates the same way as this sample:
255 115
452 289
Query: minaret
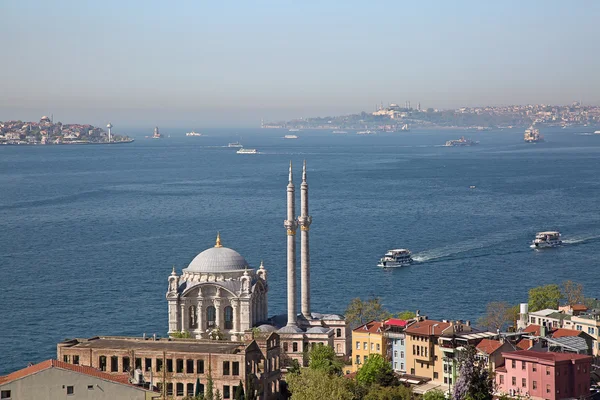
290 224
304 221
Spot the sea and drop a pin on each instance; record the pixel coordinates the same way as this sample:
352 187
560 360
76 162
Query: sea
90 234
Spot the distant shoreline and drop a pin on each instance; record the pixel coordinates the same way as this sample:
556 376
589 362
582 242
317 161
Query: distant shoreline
68 143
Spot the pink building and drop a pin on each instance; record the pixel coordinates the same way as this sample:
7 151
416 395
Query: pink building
544 375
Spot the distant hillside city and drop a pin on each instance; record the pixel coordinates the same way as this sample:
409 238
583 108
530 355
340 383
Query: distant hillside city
395 117
48 132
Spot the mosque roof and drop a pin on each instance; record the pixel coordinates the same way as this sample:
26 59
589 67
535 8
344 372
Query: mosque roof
217 259
267 328
318 329
290 329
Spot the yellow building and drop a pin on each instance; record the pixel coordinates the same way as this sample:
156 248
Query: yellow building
367 339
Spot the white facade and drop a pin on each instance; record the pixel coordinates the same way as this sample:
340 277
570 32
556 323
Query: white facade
217 293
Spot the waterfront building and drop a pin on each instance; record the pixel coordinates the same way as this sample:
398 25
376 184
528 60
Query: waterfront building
176 365
368 339
589 323
544 375
54 380
396 343
489 351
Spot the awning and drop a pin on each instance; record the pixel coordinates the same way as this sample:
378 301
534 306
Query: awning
422 389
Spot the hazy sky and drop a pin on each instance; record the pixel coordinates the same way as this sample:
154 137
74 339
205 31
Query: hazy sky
226 63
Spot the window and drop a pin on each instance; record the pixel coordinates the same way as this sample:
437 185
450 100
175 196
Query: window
591 331
414 352
547 370
412 371
138 363
193 316
402 366
357 360
425 351
235 366
226 392
102 363
170 367
76 360
114 364
395 354
90 387
534 383
179 389
514 364
211 317
159 364
338 332
534 367
199 366
125 364
372 345
226 368
67 358
401 354
365 346
445 379
190 389
579 327
148 362
524 382
450 381
501 379
378 347
286 346
189 366
169 389
435 374
5 394
514 381
357 345
365 358
523 364
228 317
70 390
295 347
179 365
401 342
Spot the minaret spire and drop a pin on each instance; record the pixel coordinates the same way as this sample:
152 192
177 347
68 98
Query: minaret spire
218 241
304 220
290 224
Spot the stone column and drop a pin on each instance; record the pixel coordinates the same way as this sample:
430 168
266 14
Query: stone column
304 221
244 315
290 224
200 313
236 316
173 325
217 303
183 316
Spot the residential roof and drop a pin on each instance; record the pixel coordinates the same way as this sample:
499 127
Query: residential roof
179 345
82 369
501 369
489 346
559 315
578 307
396 322
428 327
525 344
545 312
371 327
546 355
534 329
574 343
565 332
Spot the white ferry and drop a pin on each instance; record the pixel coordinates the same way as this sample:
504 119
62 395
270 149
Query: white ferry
192 133
235 144
367 132
247 151
339 132
546 239
597 132
290 137
395 258
293 130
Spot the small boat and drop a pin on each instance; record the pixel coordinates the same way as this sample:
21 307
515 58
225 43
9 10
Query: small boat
339 132
597 132
472 187
405 127
290 137
247 151
367 132
235 144
192 133
461 142
395 258
546 239
294 130
156 134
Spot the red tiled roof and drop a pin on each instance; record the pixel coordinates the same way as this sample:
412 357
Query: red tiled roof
525 344
427 327
565 332
82 369
534 329
579 307
546 355
489 346
395 322
371 327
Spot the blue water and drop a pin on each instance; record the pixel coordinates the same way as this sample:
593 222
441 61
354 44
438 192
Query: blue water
89 234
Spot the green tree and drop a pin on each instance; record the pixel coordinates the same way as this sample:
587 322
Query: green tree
572 292
376 370
389 393
406 315
197 391
209 393
218 395
181 334
542 297
435 394
239 392
323 358
250 387
360 312
311 384
497 316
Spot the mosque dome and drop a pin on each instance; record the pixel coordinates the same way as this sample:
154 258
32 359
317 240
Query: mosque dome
217 259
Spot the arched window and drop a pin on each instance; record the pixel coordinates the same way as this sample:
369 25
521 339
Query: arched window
285 346
228 317
295 347
193 317
211 317
338 332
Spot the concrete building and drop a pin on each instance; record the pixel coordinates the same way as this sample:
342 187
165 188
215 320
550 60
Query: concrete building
396 343
544 375
368 339
175 365
589 322
489 351
54 380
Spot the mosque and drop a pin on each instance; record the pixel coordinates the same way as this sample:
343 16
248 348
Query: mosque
220 296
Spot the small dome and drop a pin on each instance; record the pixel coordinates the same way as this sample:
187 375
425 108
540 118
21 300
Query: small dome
267 328
217 259
318 329
290 329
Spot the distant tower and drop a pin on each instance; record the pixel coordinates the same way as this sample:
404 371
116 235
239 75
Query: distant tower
419 106
109 126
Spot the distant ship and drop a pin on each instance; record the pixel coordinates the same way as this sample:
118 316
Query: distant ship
461 142
294 130
339 132
290 137
405 127
546 239
597 132
192 133
367 132
156 133
532 135
235 144
395 258
247 151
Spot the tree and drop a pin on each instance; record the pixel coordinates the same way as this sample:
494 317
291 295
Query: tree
474 380
405 315
324 358
497 316
239 392
312 384
542 297
435 394
209 394
197 391
390 393
376 370
572 292
360 312
250 389
218 395
181 334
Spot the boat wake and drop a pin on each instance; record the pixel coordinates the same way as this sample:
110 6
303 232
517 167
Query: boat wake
447 251
581 239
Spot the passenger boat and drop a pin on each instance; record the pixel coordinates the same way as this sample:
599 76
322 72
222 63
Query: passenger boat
192 133
339 132
367 132
235 144
546 239
532 135
395 258
461 142
290 137
247 151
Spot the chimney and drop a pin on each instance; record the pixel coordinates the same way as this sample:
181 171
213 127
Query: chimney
418 313
468 323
